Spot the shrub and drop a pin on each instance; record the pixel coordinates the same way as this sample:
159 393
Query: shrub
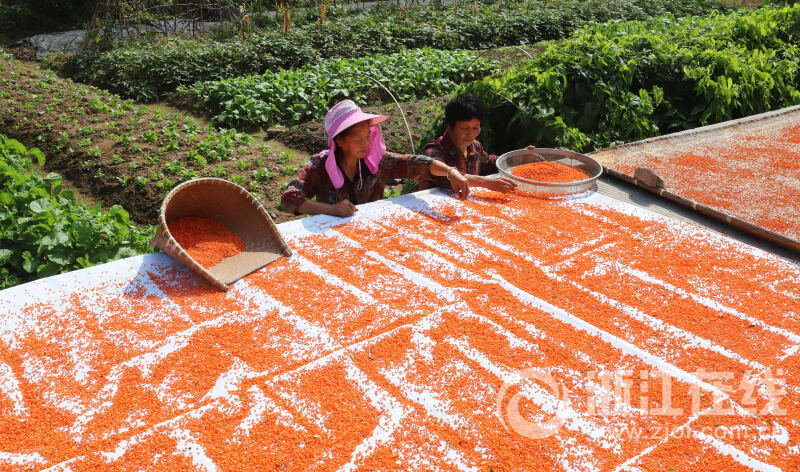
45 231
149 70
306 93
145 71
626 81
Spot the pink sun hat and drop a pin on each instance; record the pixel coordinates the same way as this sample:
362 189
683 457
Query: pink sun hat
342 116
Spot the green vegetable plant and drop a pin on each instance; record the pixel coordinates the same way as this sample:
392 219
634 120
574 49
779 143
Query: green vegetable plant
625 81
304 94
46 231
147 70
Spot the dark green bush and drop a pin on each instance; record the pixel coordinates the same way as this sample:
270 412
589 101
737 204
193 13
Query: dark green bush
147 71
306 93
626 81
45 231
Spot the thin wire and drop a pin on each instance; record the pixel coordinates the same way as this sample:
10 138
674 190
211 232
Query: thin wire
526 52
402 113
408 128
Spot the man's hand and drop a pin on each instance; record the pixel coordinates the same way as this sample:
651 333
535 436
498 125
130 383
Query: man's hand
343 208
499 184
459 183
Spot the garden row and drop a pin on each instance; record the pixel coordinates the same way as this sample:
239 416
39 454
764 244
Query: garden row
299 95
124 153
149 70
45 231
622 82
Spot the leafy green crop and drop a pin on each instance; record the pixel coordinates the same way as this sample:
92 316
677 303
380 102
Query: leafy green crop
622 82
145 71
149 70
304 94
154 150
45 231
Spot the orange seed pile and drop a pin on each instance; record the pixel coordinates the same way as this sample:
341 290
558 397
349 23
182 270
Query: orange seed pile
549 172
206 240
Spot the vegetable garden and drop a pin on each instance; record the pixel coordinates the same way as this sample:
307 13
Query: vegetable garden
149 70
305 94
127 153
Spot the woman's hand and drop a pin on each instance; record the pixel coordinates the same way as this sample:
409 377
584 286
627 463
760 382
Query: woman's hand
499 184
459 183
343 208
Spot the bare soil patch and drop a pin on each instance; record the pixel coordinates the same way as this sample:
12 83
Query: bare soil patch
57 116
22 52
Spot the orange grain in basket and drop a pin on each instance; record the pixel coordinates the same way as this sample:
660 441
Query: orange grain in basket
206 240
549 172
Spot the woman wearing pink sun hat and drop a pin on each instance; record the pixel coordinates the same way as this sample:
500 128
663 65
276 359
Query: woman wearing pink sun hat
356 167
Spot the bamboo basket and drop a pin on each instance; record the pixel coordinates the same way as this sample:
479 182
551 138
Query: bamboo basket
237 210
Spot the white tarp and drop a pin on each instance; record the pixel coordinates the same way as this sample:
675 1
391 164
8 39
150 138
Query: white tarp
507 332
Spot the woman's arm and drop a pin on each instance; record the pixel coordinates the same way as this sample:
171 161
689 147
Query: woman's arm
297 198
488 165
419 167
343 208
496 183
458 182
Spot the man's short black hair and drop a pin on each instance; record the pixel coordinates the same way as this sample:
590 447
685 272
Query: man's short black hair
463 107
